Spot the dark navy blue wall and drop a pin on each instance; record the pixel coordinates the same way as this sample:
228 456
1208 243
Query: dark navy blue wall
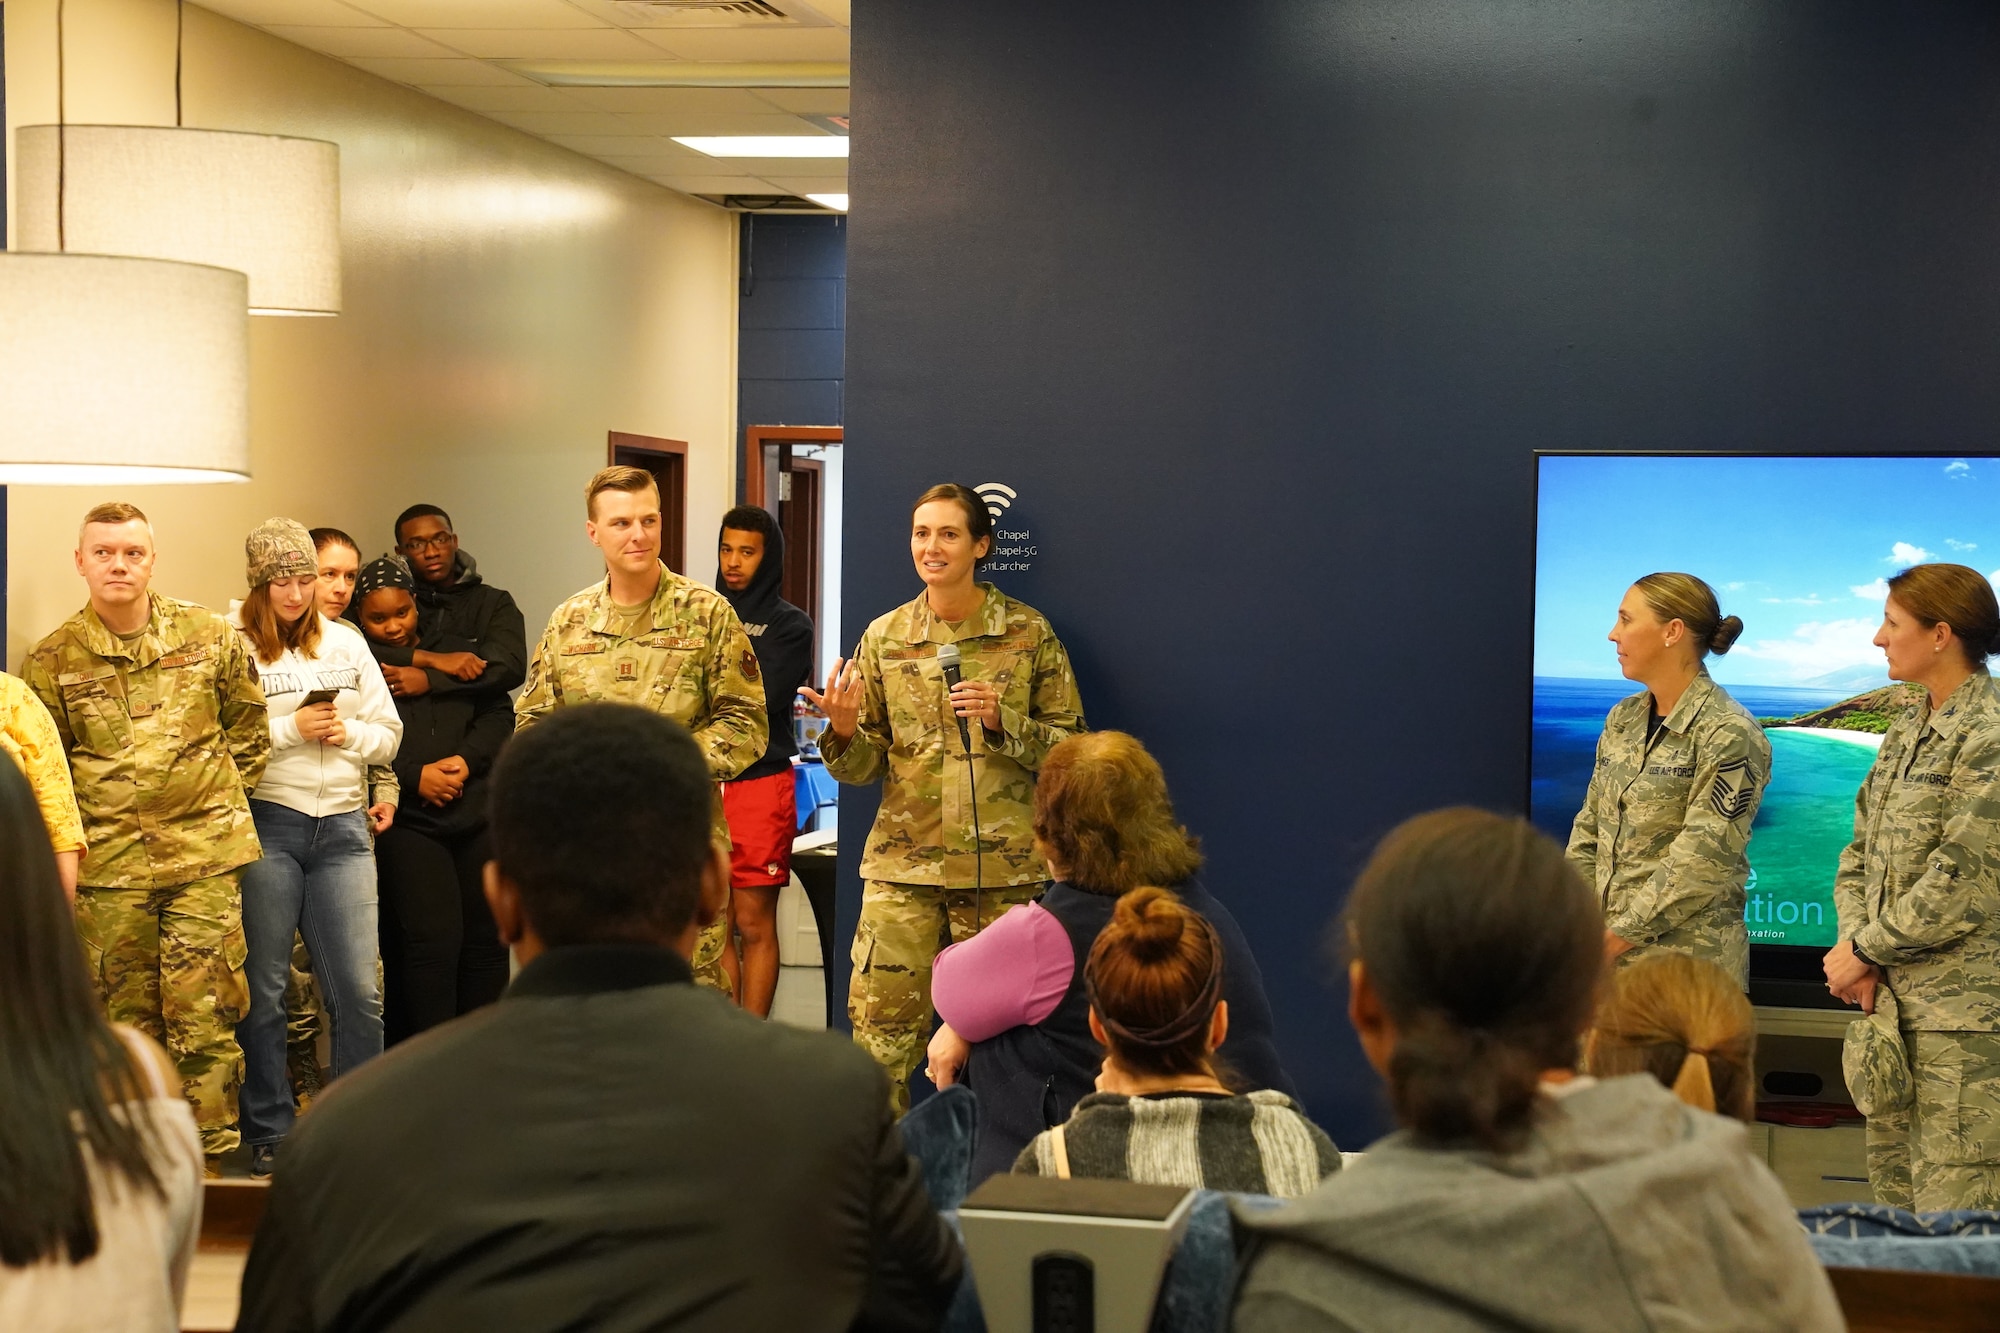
792 321
1263 307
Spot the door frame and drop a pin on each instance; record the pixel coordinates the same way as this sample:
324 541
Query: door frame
673 508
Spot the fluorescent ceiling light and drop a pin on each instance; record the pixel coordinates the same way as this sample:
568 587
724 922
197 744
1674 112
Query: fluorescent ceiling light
837 202
767 145
683 73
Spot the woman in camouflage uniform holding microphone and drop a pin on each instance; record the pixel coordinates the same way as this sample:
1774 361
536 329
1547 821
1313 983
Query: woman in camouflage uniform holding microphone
952 846
1680 769
1919 898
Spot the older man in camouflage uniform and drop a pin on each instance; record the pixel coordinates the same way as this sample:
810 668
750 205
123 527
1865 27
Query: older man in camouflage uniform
649 637
1918 895
926 875
1665 827
158 707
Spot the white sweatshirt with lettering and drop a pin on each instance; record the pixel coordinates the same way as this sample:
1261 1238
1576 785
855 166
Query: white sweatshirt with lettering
312 777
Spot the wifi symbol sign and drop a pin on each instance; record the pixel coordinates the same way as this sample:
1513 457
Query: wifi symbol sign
998 497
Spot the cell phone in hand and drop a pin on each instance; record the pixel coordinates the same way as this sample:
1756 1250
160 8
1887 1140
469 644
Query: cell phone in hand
318 697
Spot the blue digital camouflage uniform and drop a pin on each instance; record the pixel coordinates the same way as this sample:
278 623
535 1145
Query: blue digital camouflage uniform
1918 893
1664 828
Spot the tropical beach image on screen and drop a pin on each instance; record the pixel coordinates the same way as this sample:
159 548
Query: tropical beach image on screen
1801 549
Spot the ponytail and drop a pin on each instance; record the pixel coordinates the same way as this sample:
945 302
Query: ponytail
1485 949
1684 1021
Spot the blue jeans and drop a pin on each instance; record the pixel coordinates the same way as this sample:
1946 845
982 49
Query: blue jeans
317 879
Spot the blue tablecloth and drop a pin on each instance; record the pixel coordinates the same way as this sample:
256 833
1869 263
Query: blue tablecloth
812 788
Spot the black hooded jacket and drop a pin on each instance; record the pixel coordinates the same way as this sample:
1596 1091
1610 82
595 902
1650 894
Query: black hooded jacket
783 637
480 618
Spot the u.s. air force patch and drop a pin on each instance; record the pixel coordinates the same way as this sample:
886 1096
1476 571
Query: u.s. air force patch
1734 790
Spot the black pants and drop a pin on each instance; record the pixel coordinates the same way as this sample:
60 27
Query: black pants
441 955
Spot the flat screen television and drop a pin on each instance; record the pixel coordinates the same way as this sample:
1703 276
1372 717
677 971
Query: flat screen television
1799 547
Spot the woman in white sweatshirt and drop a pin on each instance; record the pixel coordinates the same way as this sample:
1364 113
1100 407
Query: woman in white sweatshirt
331 717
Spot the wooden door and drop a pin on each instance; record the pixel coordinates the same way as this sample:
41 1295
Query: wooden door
667 461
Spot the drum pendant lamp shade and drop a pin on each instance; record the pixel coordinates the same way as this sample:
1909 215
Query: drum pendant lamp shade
122 370
264 204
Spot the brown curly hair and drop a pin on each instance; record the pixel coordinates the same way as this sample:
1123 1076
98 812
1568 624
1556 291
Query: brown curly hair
1102 809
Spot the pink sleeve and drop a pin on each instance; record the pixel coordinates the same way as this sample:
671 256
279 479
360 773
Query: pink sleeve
1014 972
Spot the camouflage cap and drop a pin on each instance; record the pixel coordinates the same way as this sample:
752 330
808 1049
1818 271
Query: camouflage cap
1875 1060
279 548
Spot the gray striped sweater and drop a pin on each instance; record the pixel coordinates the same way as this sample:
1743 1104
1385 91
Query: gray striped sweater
1259 1143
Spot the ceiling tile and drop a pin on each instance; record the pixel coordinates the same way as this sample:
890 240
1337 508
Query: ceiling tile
716 184
548 123
750 44
625 145
324 13
506 97
672 101
462 70
345 42
481 13
808 184
807 101
695 122
544 43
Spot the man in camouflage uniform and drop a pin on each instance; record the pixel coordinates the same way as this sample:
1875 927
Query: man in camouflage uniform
1916 895
1665 827
649 637
924 876
158 707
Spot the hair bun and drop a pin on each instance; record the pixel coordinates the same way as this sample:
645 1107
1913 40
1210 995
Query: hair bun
1726 633
1149 924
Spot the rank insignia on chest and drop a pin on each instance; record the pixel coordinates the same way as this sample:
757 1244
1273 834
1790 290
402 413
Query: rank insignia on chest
142 707
628 670
749 665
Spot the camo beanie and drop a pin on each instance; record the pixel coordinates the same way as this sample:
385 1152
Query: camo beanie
279 548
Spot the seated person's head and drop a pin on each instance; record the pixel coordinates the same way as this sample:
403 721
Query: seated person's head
1476 954
1154 979
1103 819
602 835
1684 1021
385 603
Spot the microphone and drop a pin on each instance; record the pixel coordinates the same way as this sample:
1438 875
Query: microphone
948 658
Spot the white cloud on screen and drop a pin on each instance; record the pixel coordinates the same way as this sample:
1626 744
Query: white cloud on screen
1903 553
1958 470
1814 600
1815 649
1961 546
1871 592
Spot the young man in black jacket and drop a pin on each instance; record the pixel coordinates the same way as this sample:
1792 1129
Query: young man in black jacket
609 1146
758 802
490 652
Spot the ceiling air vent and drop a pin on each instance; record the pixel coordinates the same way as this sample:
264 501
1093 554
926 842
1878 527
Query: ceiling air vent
708 13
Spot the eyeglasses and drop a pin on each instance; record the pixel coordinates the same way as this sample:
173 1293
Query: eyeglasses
437 543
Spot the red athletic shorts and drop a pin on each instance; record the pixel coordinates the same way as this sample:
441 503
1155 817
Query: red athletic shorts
763 817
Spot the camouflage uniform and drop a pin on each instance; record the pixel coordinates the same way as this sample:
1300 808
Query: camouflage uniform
1663 828
925 879
687 659
1916 895
28 735
165 735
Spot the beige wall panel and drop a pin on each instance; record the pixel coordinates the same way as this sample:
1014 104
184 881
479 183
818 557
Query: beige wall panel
507 303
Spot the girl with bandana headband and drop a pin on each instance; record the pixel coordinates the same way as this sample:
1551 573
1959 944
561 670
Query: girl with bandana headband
441 955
